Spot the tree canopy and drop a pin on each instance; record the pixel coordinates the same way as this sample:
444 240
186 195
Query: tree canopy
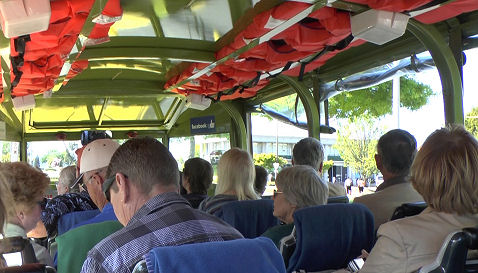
471 121
373 102
267 161
356 143
376 101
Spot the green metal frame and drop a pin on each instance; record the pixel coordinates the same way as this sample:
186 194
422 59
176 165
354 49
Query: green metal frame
447 67
311 110
239 132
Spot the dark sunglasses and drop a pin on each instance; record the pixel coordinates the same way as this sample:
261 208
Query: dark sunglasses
107 185
276 193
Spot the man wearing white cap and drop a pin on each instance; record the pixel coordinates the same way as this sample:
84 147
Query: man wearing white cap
94 162
74 245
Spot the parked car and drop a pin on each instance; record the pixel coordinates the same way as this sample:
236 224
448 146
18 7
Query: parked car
214 156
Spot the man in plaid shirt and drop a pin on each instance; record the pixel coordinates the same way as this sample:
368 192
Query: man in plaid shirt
143 189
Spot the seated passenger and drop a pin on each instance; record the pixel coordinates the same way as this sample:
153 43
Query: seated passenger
197 178
297 187
143 188
28 185
94 162
235 180
260 182
445 173
73 246
309 151
66 180
69 199
395 153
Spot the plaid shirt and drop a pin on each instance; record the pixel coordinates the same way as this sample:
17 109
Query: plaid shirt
165 220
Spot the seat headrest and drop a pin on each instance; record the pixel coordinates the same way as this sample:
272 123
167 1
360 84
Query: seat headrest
336 233
242 255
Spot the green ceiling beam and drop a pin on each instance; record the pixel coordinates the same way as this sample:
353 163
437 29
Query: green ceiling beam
94 124
9 121
111 88
91 112
310 107
151 48
447 68
158 111
240 132
238 8
8 106
172 109
158 30
115 53
102 112
72 136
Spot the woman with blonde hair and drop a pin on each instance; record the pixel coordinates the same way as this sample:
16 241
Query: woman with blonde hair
445 173
28 187
235 180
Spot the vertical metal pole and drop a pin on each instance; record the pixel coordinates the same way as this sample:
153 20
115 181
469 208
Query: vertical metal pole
250 144
23 151
396 100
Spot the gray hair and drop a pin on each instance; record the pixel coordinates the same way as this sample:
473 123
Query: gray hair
146 162
397 149
68 177
235 172
302 186
308 151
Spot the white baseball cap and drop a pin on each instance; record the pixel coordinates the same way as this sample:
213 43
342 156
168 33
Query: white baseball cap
96 155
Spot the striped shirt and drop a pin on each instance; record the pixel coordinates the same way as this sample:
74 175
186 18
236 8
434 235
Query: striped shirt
165 220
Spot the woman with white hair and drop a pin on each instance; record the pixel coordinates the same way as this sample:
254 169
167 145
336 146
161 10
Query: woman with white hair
297 187
235 180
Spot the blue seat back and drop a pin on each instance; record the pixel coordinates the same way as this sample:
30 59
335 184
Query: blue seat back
250 217
329 236
258 255
67 221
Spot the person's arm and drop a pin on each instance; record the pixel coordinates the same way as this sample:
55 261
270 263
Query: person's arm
389 253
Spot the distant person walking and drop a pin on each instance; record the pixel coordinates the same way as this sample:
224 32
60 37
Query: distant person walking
348 185
361 184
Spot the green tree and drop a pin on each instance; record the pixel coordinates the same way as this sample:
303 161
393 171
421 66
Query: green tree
356 144
373 102
376 101
327 165
471 121
267 160
6 152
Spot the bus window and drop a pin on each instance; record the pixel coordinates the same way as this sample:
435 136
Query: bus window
51 157
208 147
10 151
470 99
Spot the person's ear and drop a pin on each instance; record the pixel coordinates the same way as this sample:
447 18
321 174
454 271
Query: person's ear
320 167
98 179
124 187
378 161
